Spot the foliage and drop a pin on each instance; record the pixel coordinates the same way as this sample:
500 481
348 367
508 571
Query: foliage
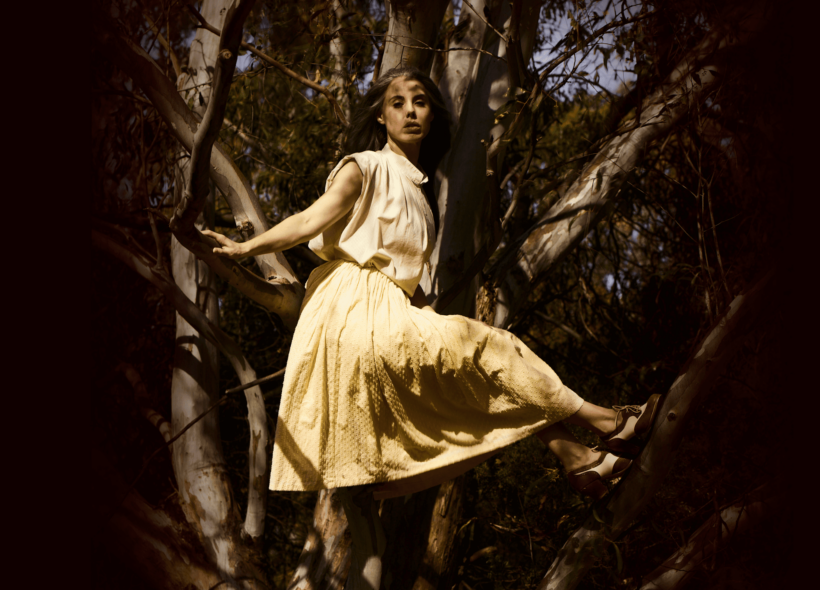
617 319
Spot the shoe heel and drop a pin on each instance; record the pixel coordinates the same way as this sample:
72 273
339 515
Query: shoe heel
596 490
624 448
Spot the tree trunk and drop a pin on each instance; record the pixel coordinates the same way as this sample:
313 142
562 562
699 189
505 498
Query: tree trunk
325 560
474 85
411 33
205 490
144 540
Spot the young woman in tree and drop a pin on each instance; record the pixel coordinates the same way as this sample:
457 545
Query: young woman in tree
379 388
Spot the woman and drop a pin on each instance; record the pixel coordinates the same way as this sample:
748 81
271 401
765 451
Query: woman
379 388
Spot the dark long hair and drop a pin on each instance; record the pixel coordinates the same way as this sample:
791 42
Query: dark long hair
365 133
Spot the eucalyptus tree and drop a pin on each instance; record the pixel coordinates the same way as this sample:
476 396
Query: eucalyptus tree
511 213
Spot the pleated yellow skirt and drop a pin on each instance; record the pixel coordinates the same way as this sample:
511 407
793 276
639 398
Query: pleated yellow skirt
377 390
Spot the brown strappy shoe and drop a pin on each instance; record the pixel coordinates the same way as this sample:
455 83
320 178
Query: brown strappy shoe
589 479
631 421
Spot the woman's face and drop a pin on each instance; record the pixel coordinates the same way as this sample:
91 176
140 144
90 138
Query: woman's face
406 112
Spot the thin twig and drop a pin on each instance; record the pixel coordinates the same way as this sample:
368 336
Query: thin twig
488 23
162 41
281 67
244 386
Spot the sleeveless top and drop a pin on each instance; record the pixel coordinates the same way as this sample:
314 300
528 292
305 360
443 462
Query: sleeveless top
390 226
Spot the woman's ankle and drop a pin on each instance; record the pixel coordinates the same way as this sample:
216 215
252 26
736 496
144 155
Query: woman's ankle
579 458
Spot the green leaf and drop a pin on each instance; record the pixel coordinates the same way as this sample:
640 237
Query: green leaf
514 92
618 557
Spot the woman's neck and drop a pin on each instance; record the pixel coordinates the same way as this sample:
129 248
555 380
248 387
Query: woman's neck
408 150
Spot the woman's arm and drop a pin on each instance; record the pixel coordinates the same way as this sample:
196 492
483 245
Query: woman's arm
419 300
329 208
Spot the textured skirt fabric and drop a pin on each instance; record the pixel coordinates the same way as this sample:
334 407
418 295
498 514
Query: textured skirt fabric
377 390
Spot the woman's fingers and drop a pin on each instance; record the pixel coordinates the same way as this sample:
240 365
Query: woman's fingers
228 248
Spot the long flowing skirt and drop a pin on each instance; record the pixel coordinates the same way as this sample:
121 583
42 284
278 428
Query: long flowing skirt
377 390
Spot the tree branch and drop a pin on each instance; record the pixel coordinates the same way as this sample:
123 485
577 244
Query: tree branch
618 510
282 294
196 189
716 532
279 66
257 417
598 185
164 42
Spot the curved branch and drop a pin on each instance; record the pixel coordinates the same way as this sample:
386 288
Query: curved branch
282 294
617 511
196 191
257 458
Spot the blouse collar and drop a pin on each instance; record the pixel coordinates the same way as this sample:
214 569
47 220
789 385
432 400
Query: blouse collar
415 174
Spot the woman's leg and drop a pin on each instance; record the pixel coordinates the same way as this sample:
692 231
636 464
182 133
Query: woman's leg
566 447
572 453
600 421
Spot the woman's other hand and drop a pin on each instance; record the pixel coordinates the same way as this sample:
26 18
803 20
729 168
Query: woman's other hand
227 247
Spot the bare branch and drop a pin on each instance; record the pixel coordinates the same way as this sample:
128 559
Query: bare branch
257 417
164 42
267 379
598 185
196 190
281 294
717 532
550 67
279 66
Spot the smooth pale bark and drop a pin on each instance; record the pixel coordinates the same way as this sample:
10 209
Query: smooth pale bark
647 473
325 560
281 293
211 332
199 464
593 193
144 540
473 97
222 64
711 537
200 471
412 30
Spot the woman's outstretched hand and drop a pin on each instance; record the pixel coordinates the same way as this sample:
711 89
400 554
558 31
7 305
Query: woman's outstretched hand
228 247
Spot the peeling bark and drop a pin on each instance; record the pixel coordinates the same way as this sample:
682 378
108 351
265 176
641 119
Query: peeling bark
473 96
692 386
325 560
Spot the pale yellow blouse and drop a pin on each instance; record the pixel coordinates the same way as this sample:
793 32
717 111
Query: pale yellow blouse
390 227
